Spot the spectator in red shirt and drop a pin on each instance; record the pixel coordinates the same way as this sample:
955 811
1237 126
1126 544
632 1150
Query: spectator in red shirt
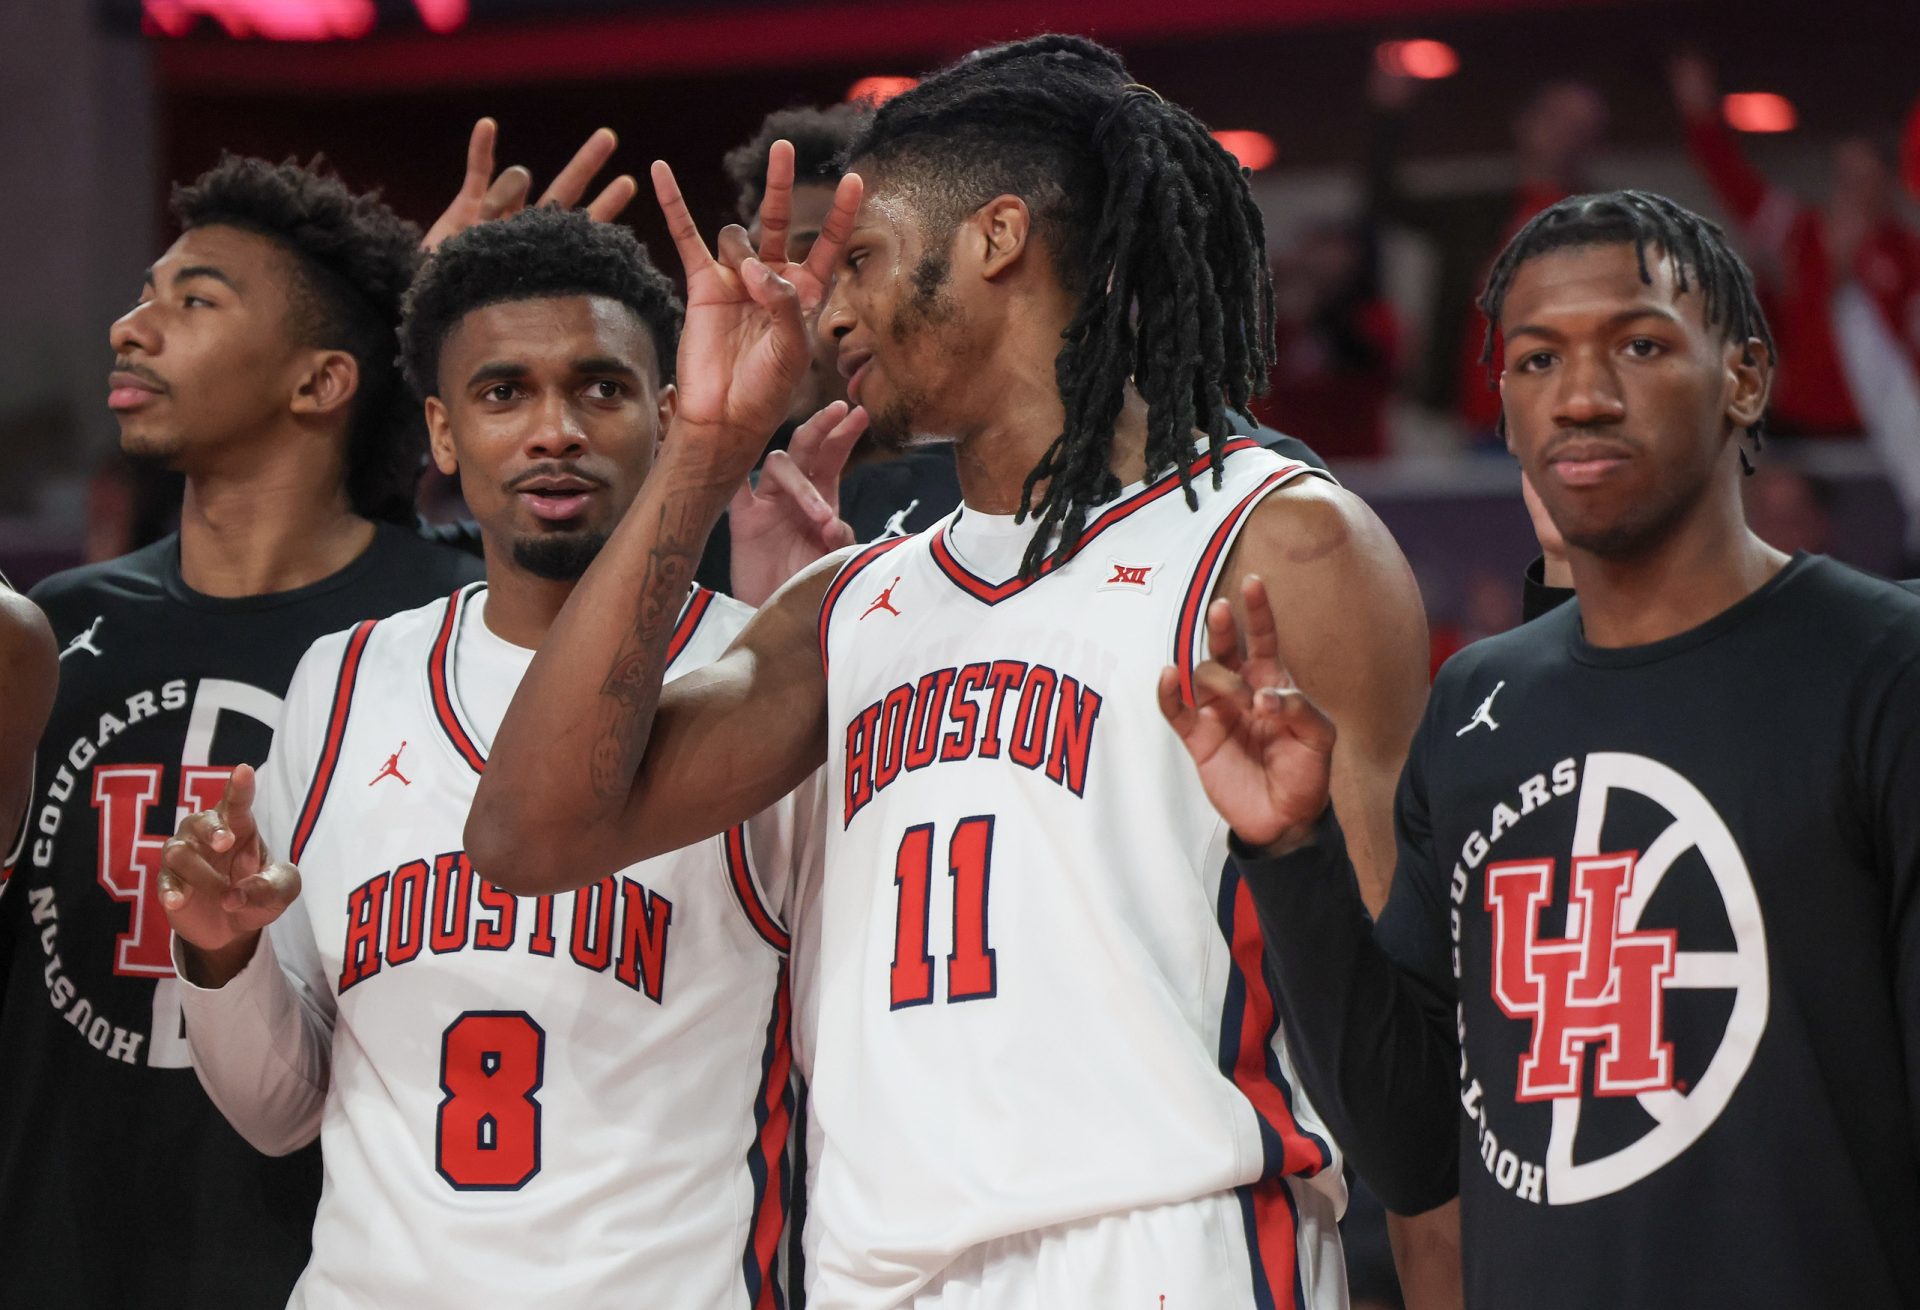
1337 344
1555 136
1796 248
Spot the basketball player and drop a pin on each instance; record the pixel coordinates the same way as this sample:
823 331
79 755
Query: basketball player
1047 1071
259 362
1654 937
577 1100
29 670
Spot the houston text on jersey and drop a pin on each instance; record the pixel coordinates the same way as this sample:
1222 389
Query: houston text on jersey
1050 725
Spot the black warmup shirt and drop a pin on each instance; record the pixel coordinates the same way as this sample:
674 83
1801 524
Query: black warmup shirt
1647 988
120 1183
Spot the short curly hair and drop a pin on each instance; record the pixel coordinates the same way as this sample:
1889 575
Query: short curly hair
820 139
354 259
536 254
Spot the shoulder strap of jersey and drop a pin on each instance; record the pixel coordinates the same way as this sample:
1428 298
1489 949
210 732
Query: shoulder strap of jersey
848 572
1190 629
330 744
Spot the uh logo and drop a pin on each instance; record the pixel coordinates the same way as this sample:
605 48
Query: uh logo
1601 988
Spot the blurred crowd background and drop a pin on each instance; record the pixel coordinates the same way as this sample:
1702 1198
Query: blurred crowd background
1396 145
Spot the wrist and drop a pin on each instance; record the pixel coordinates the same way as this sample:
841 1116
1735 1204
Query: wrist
215 967
711 459
1288 842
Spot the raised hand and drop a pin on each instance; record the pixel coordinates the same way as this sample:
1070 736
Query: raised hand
484 197
217 884
792 517
1263 751
744 346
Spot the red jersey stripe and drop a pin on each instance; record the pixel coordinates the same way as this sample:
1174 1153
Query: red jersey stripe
439 679
740 872
1193 609
767 1158
330 744
848 572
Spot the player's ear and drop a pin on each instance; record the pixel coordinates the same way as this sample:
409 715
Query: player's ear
327 385
440 437
1001 229
668 399
1750 380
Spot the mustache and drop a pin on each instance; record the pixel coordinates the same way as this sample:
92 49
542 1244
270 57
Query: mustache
1572 436
145 374
553 469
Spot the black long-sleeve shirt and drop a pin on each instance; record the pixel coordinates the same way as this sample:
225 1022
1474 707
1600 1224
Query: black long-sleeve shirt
1647 988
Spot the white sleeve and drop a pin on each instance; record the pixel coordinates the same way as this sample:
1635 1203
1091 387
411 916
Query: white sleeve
262 1045
1885 391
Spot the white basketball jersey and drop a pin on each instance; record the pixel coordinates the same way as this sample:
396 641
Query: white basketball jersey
579 1100
1041 999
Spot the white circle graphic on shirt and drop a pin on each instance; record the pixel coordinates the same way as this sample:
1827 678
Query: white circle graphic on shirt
1679 1117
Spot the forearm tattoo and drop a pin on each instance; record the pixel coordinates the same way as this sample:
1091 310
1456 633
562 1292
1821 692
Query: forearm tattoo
631 692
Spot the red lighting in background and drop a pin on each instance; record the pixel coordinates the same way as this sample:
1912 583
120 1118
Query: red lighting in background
1254 150
442 15
876 91
1759 111
289 20
1426 60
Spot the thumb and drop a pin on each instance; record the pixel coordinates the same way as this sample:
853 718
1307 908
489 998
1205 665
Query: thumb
266 895
1286 712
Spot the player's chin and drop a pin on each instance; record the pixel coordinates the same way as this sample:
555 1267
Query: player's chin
891 429
142 440
558 555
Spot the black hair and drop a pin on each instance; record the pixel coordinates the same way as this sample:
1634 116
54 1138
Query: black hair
820 139
1149 223
353 259
1696 246
537 254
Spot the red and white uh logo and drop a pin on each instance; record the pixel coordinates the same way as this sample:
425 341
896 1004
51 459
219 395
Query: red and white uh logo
1597 986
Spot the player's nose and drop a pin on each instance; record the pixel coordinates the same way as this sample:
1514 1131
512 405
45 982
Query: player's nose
137 329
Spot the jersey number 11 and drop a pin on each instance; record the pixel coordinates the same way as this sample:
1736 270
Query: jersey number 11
970 966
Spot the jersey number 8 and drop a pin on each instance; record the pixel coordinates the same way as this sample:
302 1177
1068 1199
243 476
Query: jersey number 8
488 1136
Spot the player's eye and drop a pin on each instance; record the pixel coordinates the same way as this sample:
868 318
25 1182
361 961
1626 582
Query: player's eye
499 392
1644 348
605 389
192 302
1538 361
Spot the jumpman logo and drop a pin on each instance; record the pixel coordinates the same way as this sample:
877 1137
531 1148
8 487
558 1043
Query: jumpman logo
85 640
1485 713
391 769
897 525
884 601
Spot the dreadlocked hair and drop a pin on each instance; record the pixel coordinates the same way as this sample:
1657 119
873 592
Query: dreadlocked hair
1148 221
1696 246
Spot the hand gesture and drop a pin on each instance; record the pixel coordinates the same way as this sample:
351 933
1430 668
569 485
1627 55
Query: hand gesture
1263 751
217 885
484 197
1694 92
792 517
743 347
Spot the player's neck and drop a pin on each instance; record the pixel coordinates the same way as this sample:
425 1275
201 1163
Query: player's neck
994 461
1710 563
276 525
521 606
